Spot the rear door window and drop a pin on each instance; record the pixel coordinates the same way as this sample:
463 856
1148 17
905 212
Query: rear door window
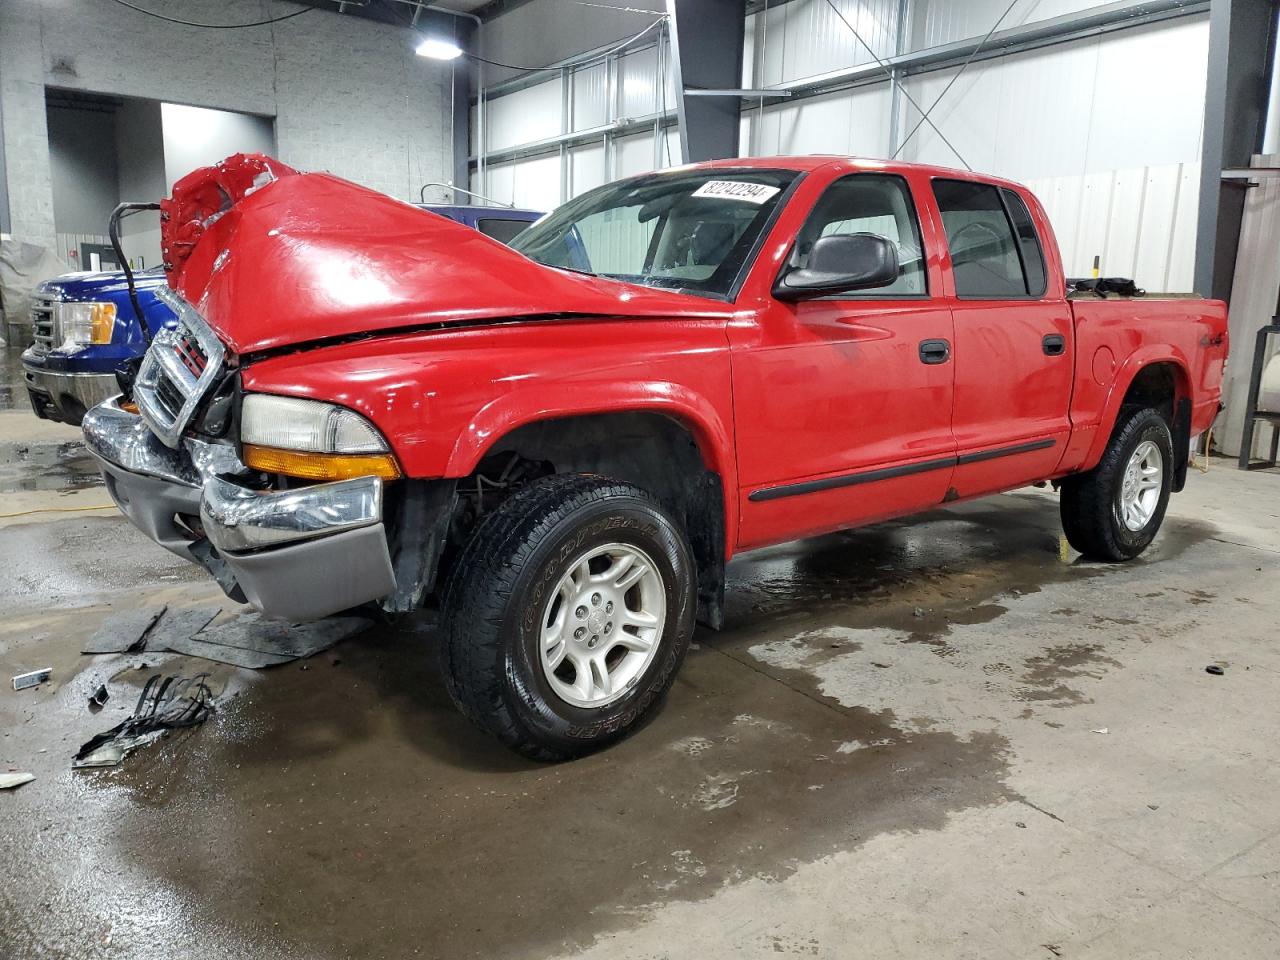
989 259
1028 242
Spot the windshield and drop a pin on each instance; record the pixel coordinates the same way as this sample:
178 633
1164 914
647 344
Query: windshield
688 231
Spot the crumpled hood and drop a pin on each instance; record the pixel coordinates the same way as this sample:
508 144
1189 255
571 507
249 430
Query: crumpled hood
272 258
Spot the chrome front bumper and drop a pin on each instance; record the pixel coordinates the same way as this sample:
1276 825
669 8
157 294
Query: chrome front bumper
66 396
297 554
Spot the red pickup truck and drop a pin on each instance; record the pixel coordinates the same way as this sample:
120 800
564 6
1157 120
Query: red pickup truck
562 444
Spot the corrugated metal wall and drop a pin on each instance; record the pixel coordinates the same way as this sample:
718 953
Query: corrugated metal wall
1107 129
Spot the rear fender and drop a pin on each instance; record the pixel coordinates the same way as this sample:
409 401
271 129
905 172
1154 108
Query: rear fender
1128 371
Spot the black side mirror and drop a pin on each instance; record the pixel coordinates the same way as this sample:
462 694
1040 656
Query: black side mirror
837 264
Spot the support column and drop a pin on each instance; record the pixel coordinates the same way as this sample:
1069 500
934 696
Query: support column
28 175
1241 49
706 54
461 117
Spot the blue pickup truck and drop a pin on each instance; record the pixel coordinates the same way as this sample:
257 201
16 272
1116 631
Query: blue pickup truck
85 328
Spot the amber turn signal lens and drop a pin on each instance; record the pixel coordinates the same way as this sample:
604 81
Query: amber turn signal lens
102 321
321 466
128 406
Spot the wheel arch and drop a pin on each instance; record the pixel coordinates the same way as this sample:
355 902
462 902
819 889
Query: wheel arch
1156 376
676 447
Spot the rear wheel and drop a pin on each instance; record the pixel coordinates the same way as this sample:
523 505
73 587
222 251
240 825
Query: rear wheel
567 615
1114 511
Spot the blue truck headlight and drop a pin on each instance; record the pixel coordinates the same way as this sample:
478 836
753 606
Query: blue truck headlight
85 323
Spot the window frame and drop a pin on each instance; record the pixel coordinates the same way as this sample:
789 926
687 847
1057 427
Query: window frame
875 293
1005 192
1000 191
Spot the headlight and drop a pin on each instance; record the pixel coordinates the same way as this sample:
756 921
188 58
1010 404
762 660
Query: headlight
83 324
310 439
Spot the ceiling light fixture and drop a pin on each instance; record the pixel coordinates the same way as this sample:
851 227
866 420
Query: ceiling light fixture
439 49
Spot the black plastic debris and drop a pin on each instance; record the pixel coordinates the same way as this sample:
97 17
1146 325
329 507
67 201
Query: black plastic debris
166 703
1216 670
255 642
178 624
124 632
99 698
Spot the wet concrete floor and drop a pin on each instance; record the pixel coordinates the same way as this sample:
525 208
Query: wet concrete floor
893 750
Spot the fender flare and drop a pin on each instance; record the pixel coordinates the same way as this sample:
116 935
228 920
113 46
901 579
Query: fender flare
520 407
1127 372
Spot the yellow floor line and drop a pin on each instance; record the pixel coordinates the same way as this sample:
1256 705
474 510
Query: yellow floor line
27 513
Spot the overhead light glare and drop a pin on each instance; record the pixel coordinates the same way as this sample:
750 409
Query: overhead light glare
439 49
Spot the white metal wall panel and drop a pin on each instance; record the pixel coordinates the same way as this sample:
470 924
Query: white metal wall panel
638 91
537 183
1023 116
1112 103
1139 222
806 38
533 183
1181 268
589 106
632 155
586 168
498 182
848 123
935 22
524 116
1156 75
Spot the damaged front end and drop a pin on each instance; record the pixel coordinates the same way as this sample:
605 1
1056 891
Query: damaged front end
177 464
298 553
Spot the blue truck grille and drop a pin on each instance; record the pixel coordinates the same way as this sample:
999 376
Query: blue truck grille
44 326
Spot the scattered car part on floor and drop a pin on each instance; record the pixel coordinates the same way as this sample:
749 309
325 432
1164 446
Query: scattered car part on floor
166 703
254 641
124 632
177 625
33 678
10 780
98 699
1214 669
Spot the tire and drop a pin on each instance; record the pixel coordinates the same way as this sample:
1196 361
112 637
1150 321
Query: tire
1094 516
521 570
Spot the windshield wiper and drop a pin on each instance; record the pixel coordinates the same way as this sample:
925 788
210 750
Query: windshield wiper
561 266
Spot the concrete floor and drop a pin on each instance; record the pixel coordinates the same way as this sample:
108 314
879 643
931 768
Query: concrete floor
932 738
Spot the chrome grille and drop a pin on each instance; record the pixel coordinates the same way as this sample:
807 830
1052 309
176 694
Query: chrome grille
179 368
44 325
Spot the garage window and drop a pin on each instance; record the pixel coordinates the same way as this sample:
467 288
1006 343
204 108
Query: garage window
986 254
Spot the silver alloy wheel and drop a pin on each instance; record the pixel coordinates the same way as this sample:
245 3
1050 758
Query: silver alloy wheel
1140 486
601 627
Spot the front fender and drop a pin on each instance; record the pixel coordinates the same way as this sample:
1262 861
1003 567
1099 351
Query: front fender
516 409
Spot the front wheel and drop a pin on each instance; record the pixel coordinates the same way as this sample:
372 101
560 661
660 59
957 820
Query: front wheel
1114 511
567 615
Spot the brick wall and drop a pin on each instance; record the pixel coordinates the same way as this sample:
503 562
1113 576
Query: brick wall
348 96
